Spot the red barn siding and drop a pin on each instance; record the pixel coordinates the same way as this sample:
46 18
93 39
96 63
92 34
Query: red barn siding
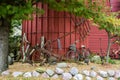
115 5
53 25
97 39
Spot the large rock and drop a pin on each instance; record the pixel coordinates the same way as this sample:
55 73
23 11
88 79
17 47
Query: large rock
111 78
117 74
11 55
45 75
54 77
16 74
93 74
62 65
50 72
99 78
35 74
66 76
59 71
52 60
78 77
111 73
88 78
103 74
5 73
74 71
41 70
86 72
27 74
10 60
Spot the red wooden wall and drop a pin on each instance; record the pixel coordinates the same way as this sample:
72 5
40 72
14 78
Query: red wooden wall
115 5
97 39
53 25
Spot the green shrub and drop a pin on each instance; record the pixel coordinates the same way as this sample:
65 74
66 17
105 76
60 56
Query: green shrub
118 78
96 59
111 61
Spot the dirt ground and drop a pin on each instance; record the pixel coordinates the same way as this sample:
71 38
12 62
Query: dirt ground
28 67
18 66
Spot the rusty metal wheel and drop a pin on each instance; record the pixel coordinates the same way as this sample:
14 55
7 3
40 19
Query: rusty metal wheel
71 55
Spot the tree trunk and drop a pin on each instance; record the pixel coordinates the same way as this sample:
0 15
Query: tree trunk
108 47
4 33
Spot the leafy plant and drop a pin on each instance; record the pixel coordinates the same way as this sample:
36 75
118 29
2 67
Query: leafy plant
14 39
111 61
118 78
96 59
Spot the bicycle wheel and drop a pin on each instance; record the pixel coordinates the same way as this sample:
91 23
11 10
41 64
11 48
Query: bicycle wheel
71 55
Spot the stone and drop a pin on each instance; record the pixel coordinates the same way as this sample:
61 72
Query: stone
103 74
111 78
111 73
27 74
11 55
5 73
117 74
78 77
99 78
16 74
55 76
93 74
66 76
59 71
74 71
62 65
45 75
10 60
50 72
88 78
41 70
86 72
35 74
52 60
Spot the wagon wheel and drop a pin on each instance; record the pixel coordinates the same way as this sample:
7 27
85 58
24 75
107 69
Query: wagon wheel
71 55
37 56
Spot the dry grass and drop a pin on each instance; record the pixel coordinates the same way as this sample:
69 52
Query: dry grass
27 67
